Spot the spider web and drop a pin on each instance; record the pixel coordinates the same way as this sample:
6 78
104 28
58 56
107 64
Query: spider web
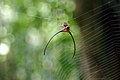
99 60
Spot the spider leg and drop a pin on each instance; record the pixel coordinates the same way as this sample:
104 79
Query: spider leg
73 42
50 40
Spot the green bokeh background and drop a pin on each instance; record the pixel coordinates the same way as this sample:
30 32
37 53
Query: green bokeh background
25 28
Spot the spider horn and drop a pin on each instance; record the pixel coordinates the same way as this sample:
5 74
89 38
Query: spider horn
74 43
50 40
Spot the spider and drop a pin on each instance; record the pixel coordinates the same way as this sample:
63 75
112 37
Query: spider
65 28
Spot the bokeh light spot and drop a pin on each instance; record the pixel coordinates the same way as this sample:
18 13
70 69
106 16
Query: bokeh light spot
4 49
7 13
44 9
33 37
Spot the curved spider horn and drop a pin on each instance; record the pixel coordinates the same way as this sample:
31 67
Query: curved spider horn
50 40
74 43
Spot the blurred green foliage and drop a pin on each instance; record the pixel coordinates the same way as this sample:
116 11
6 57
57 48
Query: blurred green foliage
25 28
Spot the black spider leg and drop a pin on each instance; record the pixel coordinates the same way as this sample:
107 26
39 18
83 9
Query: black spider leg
73 42
50 40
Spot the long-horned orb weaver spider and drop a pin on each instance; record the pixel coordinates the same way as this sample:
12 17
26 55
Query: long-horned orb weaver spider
65 28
